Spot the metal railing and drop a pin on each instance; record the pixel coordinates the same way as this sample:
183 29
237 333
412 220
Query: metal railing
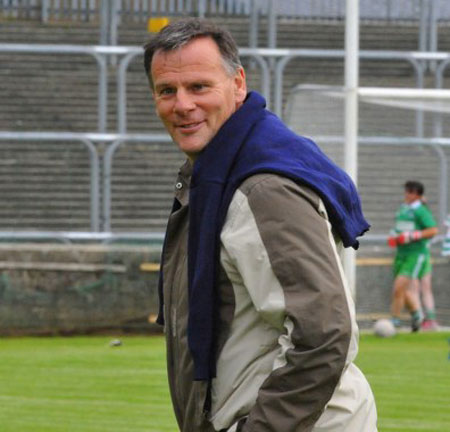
80 236
128 53
263 56
427 13
140 10
100 214
417 60
126 10
100 210
98 52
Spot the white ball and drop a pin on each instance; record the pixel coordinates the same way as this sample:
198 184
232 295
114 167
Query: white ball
384 328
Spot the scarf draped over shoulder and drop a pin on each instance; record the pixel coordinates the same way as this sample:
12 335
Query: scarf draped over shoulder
253 140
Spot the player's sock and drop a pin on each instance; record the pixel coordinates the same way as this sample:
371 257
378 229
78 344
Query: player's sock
430 315
416 320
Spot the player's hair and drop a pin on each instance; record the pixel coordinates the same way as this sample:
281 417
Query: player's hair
179 33
415 186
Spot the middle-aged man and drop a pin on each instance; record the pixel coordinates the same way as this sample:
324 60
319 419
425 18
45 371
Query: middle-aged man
260 324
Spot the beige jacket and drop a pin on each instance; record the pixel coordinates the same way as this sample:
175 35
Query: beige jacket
287 329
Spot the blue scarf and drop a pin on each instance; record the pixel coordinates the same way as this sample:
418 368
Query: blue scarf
251 141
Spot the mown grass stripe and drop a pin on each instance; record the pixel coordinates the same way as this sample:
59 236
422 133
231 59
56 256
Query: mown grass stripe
81 384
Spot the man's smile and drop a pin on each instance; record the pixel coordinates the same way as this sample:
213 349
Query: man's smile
189 127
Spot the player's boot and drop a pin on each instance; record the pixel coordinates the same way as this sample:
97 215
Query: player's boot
430 325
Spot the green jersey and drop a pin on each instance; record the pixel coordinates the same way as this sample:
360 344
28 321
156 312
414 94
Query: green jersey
413 217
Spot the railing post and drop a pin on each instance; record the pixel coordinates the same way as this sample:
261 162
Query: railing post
254 24
272 29
433 29
423 26
443 183
254 28
428 30
439 78
44 11
113 20
104 22
265 72
389 10
94 185
420 71
278 87
201 8
102 93
122 91
107 172
108 22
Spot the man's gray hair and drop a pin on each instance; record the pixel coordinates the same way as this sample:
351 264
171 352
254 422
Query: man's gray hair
179 33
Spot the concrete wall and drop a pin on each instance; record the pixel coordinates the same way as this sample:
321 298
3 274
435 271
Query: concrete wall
63 289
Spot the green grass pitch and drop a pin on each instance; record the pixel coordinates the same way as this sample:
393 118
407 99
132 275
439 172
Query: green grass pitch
81 384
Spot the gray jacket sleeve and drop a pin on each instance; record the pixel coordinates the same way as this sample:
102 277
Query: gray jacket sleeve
297 237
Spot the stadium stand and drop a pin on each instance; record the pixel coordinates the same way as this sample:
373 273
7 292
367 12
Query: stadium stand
63 97
45 185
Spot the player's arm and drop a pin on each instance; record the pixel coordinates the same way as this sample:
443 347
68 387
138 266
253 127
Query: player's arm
412 236
313 304
426 220
429 232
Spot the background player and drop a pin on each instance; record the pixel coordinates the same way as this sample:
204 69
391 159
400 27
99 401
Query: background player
414 225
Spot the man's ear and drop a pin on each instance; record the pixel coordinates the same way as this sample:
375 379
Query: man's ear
240 85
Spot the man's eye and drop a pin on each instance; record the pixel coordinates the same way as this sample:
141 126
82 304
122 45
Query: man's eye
198 87
166 91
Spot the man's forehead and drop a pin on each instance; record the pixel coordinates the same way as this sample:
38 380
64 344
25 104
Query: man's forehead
197 46
193 58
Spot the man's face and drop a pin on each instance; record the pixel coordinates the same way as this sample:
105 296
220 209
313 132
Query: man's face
411 196
194 93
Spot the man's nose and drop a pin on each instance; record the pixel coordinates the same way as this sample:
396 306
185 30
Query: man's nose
184 102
